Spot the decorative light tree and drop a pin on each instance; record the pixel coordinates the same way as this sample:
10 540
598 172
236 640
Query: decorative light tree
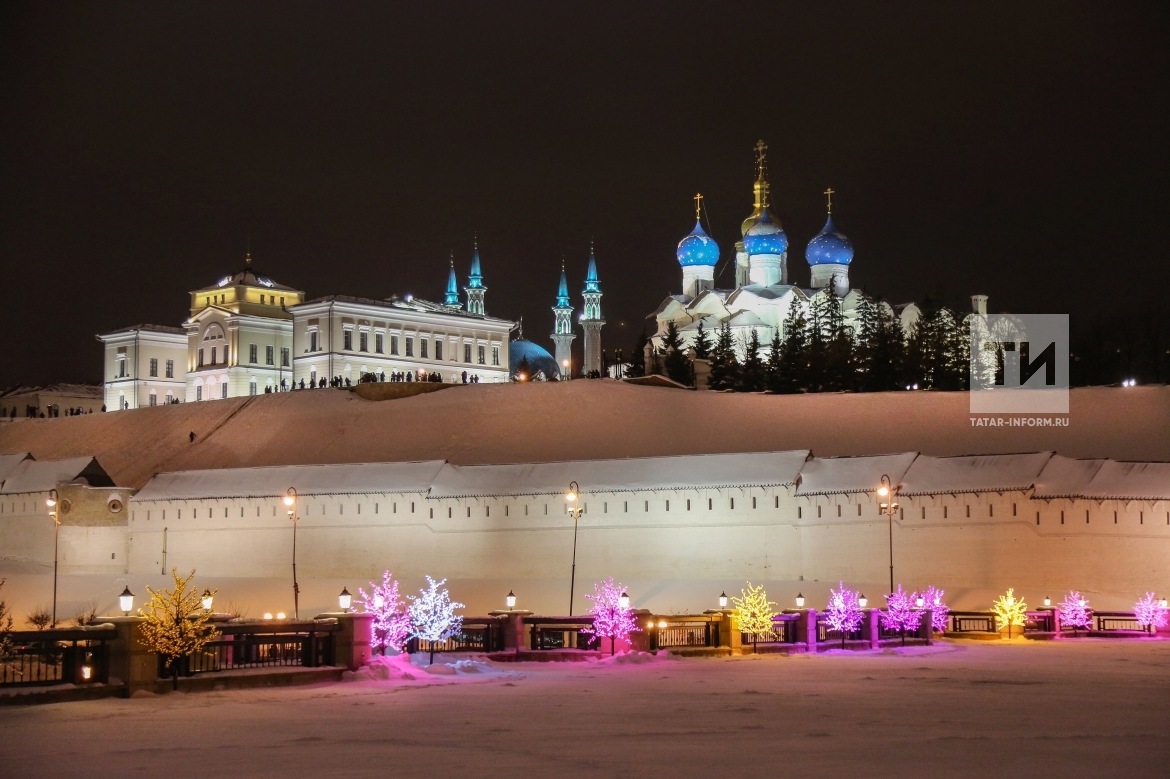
6 646
1009 611
176 623
432 615
843 613
938 610
901 612
391 622
1075 611
613 618
753 612
1150 612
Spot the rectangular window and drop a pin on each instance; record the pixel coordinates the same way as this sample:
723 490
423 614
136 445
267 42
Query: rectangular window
438 350
393 344
312 342
284 356
198 393
495 355
480 353
467 353
154 367
252 387
213 354
409 346
223 390
269 355
122 365
153 399
363 342
422 347
378 343
253 353
170 369
347 340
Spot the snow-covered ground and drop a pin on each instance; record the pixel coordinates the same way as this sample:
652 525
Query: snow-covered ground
962 709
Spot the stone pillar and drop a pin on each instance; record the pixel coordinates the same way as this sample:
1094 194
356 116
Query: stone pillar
515 639
926 627
702 373
871 627
352 642
130 660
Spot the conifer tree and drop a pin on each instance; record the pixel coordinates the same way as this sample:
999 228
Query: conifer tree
676 363
793 352
879 347
775 367
702 342
752 376
638 358
176 623
724 365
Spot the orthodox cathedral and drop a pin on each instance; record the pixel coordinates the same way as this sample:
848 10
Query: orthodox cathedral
764 290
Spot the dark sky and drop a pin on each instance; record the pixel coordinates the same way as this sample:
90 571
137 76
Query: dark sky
1017 150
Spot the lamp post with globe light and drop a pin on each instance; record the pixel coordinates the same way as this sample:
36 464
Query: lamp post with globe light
572 497
54 513
889 491
290 500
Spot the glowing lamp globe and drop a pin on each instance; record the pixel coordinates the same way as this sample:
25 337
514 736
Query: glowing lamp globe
288 500
1164 603
723 600
662 624
919 601
280 615
344 600
126 601
267 615
799 600
883 491
50 502
624 601
208 599
1047 601
86 672
511 599
862 601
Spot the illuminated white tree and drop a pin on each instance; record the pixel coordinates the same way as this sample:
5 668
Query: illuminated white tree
843 613
391 622
901 613
611 619
1075 611
432 615
1150 613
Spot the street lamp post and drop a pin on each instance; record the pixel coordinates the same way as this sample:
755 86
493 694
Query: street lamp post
890 491
575 510
54 512
290 500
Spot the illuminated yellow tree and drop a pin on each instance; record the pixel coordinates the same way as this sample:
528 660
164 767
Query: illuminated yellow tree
176 623
1009 611
753 612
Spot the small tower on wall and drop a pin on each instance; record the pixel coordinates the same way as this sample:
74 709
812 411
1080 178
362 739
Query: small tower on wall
475 288
563 329
452 298
591 321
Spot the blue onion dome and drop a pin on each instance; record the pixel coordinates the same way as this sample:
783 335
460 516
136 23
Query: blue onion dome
829 247
765 237
698 248
538 359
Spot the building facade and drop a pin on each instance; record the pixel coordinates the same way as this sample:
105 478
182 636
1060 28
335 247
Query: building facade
144 365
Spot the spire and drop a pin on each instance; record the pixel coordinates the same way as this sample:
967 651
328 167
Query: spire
476 279
591 282
698 206
247 260
452 298
563 289
760 188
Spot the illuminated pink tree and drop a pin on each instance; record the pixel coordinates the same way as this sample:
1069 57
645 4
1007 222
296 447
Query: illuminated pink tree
1075 611
391 622
612 616
843 614
1150 613
933 600
901 612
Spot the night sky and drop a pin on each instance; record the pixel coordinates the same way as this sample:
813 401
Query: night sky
1016 150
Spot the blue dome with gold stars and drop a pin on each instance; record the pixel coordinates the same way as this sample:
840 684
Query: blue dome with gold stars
698 248
829 247
765 237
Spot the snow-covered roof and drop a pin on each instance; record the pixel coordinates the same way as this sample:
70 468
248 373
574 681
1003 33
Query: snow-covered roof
347 479
1103 480
701 471
837 475
10 461
43 475
973 473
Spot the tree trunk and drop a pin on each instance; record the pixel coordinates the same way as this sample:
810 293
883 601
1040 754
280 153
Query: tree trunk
175 674
432 653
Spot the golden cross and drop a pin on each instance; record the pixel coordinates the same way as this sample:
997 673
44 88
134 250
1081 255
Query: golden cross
829 195
761 155
698 206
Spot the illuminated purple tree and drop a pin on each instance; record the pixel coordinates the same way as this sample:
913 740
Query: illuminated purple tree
901 613
432 615
391 622
1075 611
1150 613
612 616
843 614
933 599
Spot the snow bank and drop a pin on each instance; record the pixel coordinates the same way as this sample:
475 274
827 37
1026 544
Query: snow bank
638 658
382 669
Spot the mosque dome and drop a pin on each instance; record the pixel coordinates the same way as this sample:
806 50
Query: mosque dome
829 247
538 359
698 248
765 237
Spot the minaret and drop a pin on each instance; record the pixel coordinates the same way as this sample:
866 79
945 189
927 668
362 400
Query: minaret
475 287
563 331
591 321
452 298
